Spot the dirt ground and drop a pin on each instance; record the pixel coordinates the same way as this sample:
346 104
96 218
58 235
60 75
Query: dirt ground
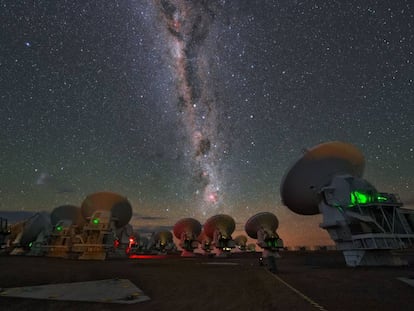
305 281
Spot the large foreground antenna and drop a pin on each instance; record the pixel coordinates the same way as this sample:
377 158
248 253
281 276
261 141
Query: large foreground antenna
301 184
364 223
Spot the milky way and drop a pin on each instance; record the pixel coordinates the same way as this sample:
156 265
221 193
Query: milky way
166 101
187 24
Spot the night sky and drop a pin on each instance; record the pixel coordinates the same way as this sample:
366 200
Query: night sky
195 108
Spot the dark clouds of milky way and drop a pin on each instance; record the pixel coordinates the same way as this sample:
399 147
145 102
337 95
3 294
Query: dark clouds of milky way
197 107
188 23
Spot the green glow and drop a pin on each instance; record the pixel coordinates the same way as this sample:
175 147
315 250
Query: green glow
30 244
59 228
380 198
358 197
271 242
95 221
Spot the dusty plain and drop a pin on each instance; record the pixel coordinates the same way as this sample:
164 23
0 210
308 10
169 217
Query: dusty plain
304 281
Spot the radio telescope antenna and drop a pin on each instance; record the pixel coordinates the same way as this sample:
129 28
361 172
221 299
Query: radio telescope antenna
241 242
366 225
105 212
262 227
187 231
205 242
219 229
164 242
67 221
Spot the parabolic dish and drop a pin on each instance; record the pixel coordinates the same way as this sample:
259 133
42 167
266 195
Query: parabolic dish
240 240
265 220
203 237
164 237
224 223
33 226
66 212
118 205
314 170
188 225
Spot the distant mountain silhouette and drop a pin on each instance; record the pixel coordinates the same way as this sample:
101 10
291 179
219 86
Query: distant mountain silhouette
16 216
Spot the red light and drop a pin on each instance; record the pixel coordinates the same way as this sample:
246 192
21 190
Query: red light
116 243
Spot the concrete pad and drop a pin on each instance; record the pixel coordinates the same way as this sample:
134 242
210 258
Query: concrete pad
105 291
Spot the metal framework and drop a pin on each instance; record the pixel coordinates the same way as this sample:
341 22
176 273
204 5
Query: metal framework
368 232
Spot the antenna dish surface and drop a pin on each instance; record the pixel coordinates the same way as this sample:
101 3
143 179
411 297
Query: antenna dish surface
224 223
240 240
164 237
203 237
32 228
118 205
315 169
190 226
265 220
66 212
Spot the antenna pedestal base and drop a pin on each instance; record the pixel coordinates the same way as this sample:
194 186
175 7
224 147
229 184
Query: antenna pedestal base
355 258
367 233
218 252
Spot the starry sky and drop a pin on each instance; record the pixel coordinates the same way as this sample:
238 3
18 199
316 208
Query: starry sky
195 108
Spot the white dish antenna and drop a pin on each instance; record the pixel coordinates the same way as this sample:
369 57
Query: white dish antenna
314 170
265 220
262 227
187 231
223 223
119 206
189 227
163 237
219 229
33 227
66 212
163 241
364 223
205 242
241 241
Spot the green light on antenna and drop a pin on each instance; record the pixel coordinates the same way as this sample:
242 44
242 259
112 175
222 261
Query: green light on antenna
358 197
381 198
59 228
95 221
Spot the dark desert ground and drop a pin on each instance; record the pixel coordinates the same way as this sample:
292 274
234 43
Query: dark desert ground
305 281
